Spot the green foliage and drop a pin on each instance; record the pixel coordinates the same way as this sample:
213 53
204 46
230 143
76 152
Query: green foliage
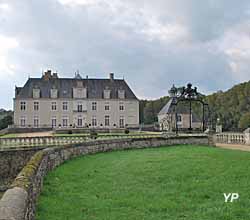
7 120
150 109
230 106
185 182
126 131
93 134
245 121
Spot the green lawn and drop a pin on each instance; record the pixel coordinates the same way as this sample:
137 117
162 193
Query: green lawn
9 136
182 182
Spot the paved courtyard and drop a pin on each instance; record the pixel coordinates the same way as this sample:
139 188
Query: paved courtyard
234 147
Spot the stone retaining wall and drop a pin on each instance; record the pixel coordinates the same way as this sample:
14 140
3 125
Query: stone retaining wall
12 162
19 202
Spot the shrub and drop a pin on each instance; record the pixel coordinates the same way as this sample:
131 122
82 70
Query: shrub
126 131
93 134
70 132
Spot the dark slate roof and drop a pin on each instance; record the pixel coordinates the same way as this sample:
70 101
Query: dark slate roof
95 87
169 107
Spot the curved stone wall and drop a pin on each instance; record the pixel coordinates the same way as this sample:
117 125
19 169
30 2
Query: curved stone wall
19 201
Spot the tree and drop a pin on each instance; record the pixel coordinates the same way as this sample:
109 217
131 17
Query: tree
7 120
244 122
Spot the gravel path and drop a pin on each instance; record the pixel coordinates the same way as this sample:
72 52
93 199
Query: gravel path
36 134
234 147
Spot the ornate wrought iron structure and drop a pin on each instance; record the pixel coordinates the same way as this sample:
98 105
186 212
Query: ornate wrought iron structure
190 95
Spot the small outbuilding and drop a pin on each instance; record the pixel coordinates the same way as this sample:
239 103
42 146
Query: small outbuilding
172 115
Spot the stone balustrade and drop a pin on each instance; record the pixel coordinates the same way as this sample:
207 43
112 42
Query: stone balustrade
62 140
39 141
231 138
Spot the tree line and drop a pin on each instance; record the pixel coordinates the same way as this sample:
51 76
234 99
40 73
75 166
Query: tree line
231 107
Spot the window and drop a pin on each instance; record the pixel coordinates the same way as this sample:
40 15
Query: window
36 106
79 122
65 106
80 93
106 94
121 122
23 122
53 122
79 107
106 107
23 106
121 94
94 122
53 106
121 107
65 122
36 93
106 122
94 106
53 93
36 121
179 118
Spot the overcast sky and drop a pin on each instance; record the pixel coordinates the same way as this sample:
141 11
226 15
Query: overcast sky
153 44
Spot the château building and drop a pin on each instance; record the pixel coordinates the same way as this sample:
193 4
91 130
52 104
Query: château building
53 102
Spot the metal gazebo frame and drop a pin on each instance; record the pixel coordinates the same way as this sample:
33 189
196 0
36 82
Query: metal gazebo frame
188 94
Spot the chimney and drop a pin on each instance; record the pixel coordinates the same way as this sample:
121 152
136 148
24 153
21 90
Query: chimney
47 75
55 75
111 76
87 77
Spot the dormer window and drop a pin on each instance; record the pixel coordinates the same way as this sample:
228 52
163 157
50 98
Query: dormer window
106 93
54 93
36 93
121 94
80 93
79 84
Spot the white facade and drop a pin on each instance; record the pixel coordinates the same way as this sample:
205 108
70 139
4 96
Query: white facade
77 111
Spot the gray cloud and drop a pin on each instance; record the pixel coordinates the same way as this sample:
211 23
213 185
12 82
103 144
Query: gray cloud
152 44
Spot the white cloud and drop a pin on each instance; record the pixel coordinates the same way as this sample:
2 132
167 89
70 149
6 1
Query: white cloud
153 43
4 7
6 44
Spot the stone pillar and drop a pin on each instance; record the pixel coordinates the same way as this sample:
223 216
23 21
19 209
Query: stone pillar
218 128
247 136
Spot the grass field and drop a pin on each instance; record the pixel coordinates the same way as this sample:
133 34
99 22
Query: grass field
182 182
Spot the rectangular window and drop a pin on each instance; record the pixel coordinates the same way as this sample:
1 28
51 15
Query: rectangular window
53 106
106 107
179 118
23 106
65 106
65 122
106 122
121 122
23 122
79 107
79 122
121 94
36 121
53 122
94 122
36 106
94 106
121 107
